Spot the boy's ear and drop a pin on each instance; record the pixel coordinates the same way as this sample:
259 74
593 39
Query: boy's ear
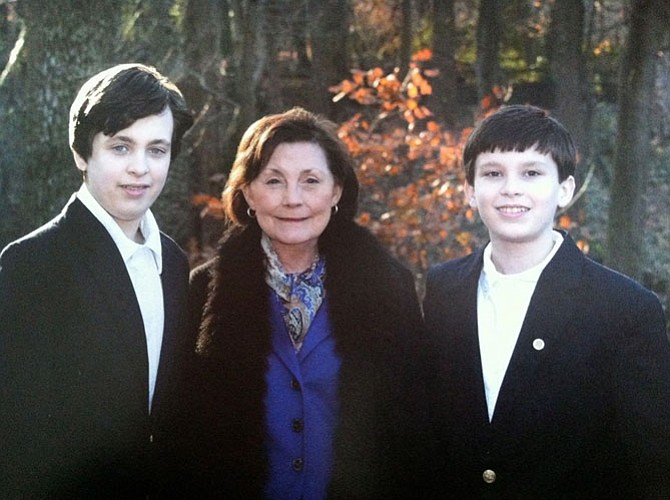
470 194
567 191
79 161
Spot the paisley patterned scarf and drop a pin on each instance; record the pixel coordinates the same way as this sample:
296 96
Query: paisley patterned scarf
301 293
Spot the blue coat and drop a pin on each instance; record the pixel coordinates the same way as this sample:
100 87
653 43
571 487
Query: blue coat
583 415
302 407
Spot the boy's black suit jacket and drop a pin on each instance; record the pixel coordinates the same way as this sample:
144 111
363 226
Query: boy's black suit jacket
585 413
74 420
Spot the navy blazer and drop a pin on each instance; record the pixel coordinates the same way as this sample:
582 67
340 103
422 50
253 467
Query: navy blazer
583 414
75 420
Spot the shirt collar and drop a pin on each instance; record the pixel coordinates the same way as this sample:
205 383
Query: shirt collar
532 275
126 246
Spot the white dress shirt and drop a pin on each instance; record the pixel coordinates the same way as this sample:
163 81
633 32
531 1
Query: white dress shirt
144 265
502 302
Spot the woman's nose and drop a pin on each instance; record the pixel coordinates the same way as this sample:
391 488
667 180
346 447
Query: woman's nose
292 195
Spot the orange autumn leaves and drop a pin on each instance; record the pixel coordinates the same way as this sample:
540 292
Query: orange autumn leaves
409 166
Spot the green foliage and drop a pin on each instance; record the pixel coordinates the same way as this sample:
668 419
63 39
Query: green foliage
521 70
178 13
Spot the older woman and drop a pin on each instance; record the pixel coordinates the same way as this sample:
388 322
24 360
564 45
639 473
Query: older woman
306 332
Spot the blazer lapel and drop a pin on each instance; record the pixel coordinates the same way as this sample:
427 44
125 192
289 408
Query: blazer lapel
461 334
548 312
470 341
174 296
107 291
318 331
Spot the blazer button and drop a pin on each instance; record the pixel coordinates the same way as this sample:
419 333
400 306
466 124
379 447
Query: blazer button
297 425
298 464
295 385
489 476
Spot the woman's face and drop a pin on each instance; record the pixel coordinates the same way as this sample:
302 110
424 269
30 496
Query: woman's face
293 197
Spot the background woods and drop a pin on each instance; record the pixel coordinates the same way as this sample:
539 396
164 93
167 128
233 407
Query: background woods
405 79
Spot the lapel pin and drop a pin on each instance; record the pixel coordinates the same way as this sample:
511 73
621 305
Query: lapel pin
538 344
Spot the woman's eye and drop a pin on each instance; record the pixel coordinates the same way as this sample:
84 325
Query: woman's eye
157 151
312 180
120 148
533 173
272 181
491 173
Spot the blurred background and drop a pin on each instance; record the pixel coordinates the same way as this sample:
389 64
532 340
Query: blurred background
405 80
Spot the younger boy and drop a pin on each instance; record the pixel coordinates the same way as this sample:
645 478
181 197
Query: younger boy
92 305
555 371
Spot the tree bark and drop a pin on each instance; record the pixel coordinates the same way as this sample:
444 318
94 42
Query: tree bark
10 28
205 87
252 58
573 102
330 60
489 33
649 27
405 52
444 102
207 149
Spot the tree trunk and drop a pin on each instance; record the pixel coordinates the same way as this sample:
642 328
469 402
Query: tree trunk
330 61
207 149
299 37
9 31
205 87
489 32
251 58
649 26
405 52
573 102
444 102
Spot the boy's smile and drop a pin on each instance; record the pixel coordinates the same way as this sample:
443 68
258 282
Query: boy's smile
517 194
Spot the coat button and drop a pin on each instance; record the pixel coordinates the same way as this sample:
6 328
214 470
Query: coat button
295 385
298 464
297 425
489 476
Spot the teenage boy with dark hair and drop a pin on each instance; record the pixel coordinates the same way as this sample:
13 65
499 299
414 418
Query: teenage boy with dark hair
92 304
555 371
